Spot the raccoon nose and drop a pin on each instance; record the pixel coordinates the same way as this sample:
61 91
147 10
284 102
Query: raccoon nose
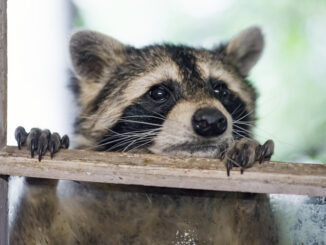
209 122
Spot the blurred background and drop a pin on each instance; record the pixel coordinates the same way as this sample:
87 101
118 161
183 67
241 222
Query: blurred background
290 77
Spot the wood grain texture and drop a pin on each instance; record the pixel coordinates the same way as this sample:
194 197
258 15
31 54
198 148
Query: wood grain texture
3 121
166 171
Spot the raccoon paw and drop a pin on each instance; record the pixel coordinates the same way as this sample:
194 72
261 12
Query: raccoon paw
245 152
40 141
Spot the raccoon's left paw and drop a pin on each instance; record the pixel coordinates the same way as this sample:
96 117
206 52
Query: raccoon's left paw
245 152
40 141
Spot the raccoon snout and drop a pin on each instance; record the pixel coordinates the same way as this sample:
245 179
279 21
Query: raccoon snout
209 122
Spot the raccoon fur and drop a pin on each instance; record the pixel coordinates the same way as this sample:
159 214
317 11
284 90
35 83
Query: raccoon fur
161 99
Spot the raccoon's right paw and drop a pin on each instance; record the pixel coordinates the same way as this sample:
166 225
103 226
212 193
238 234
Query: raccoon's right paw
245 152
40 141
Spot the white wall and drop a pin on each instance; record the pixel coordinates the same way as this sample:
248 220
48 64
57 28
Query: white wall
38 34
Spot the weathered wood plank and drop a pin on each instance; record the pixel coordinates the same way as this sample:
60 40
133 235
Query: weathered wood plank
3 121
166 171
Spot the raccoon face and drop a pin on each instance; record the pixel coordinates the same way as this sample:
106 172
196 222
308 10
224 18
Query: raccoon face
163 99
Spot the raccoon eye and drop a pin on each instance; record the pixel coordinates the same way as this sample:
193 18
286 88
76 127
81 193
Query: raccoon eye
220 89
159 94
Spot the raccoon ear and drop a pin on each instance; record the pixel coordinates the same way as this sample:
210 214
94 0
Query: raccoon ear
244 50
93 54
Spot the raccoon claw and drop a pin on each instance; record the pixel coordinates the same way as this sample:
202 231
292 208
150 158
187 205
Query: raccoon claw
54 144
41 141
228 167
52 150
65 142
265 152
20 136
32 140
245 152
32 147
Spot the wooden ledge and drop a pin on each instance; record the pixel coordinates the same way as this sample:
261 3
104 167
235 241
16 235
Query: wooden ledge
166 171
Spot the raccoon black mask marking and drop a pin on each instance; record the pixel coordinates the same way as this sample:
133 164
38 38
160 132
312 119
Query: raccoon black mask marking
163 96
234 105
142 120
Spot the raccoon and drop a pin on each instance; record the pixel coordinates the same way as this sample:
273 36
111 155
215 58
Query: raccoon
160 99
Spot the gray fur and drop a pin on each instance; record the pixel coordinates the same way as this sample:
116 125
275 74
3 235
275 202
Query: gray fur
111 79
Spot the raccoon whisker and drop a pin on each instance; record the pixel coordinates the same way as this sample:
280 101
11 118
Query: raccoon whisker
99 117
177 122
131 132
241 127
140 122
146 142
247 114
132 135
234 162
125 138
122 143
116 133
132 142
242 130
144 116
235 110
160 117
123 135
139 146
240 134
136 140
251 123
150 112
243 115
139 139
159 114
118 116
132 139
173 136
119 140
221 153
107 143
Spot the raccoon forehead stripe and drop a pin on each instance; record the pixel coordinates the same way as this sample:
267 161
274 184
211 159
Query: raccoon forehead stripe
139 86
186 62
235 84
